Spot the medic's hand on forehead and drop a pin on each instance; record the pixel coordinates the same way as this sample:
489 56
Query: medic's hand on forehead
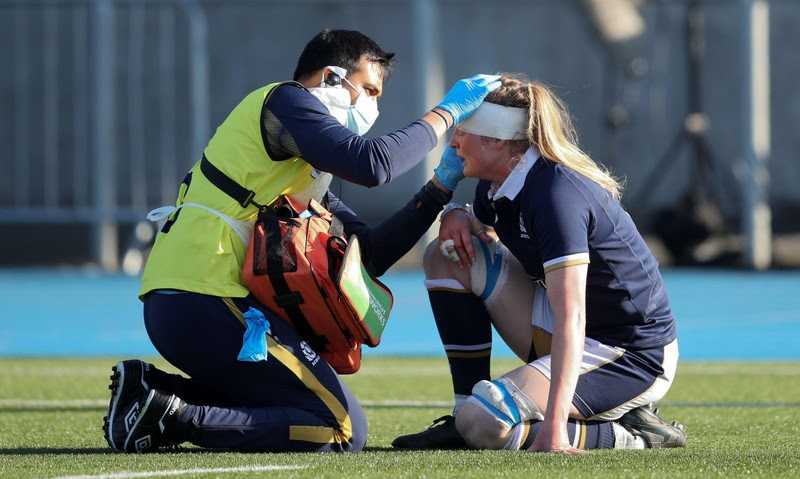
467 94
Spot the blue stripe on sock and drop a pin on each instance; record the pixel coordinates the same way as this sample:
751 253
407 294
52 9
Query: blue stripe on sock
496 412
512 406
492 269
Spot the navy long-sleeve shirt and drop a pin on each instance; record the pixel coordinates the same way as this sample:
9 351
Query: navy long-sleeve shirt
386 243
328 146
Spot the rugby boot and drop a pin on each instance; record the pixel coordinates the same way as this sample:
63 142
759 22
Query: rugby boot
159 410
644 422
442 434
128 388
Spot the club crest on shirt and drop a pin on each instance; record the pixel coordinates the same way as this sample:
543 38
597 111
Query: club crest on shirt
309 353
523 233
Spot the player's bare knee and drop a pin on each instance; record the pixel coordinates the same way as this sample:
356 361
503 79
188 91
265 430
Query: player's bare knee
479 429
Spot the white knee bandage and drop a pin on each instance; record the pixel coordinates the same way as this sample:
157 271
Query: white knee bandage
505 402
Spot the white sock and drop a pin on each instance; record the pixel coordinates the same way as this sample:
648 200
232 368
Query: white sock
460 399
516 437
624 439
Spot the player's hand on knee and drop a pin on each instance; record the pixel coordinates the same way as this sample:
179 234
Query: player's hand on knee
455 238
479 230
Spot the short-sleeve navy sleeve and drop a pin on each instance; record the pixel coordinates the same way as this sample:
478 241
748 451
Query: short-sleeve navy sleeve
560 219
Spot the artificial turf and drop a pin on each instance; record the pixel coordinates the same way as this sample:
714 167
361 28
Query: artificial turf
743 420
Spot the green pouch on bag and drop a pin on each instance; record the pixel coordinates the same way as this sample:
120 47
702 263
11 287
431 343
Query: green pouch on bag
369 299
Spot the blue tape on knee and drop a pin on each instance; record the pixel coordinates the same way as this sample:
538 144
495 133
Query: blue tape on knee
510 403
496 412
493 265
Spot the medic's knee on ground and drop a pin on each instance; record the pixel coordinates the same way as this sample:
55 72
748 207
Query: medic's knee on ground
360 430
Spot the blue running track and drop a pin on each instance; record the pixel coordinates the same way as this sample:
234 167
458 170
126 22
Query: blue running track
722 315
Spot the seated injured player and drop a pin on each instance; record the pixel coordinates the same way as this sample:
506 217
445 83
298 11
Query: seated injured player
566 280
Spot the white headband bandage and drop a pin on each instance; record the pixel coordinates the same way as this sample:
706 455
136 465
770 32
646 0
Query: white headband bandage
497 121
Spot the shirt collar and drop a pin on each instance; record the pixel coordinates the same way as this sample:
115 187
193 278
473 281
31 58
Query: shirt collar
516 179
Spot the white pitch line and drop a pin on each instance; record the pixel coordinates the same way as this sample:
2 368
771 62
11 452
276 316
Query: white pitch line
406 403
180 472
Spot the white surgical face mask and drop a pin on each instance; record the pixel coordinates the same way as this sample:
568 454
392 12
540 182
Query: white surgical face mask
358 117
336 99
362 115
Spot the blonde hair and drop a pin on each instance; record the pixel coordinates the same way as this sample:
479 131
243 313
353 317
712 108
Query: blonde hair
550 128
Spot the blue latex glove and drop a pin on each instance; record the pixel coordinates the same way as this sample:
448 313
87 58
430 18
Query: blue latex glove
467 94
450 170
254 345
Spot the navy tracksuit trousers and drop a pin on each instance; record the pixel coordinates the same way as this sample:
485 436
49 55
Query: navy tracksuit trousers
294 401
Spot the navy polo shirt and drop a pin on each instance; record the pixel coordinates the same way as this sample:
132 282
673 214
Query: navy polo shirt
550 217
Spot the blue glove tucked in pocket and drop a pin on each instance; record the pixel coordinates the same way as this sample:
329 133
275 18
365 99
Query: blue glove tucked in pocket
254 345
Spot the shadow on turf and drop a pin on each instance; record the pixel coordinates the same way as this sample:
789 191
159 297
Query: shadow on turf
409 449
380 449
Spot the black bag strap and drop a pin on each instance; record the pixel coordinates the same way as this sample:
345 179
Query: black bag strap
285 298
242 195
271 217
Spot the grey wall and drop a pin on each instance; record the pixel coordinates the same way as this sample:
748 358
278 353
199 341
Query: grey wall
553 41
252 43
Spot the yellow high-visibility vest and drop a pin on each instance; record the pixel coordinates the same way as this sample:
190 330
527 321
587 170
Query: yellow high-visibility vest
197 250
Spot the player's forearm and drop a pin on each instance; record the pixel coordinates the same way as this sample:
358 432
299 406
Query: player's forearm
567 349
566 292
